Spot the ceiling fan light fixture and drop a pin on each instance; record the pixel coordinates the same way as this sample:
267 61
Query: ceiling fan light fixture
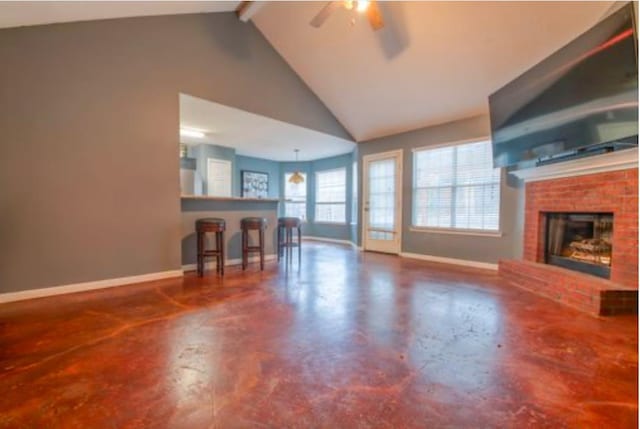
362 6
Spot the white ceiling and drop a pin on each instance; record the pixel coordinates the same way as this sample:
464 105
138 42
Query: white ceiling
433 62
19 13
255 135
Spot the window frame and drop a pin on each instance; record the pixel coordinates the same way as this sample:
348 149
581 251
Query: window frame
453 230
320 203
354 193
286 200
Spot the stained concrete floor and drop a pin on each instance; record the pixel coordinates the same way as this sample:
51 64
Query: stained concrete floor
350 340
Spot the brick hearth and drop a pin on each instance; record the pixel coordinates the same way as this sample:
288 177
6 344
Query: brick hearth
614 192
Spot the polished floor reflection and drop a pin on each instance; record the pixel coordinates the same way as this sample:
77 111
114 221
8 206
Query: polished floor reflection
350 340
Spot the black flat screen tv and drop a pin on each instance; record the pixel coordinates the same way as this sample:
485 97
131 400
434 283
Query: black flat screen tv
581 99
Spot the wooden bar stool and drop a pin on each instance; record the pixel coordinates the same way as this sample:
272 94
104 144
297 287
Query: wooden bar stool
247 224
216 226
286 225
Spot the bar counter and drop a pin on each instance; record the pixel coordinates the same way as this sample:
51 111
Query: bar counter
232 210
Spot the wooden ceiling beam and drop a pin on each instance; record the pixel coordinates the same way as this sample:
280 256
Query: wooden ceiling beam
247 9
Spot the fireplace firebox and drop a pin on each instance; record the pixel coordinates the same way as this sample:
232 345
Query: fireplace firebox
580 242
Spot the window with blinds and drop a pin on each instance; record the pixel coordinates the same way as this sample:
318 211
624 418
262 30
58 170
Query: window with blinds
456 187
331 194
295 197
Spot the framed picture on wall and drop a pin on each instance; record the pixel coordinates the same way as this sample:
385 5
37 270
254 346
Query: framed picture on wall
255 184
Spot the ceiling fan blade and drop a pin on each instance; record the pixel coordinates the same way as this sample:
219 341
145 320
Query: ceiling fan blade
375 16
322 16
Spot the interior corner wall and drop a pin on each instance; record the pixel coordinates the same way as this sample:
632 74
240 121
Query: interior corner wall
311 228
466 247
89 113
202 153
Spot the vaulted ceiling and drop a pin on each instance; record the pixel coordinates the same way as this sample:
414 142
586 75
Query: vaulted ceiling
20 13
433 62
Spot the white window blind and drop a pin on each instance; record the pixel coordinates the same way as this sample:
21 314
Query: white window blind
295 195
331 191
456 187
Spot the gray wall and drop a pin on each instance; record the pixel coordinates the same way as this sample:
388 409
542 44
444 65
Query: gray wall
475 248
311 227
201 153
232 212
89 177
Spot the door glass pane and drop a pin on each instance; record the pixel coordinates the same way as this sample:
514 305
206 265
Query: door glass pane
382 183
378 235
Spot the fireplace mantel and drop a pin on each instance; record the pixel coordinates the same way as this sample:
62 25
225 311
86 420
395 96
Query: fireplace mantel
618 160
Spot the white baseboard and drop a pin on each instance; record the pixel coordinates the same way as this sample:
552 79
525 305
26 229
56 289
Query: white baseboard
209 265
328 240
453 261
86 286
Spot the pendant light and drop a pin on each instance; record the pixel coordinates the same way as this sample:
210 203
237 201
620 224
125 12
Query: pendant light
296 178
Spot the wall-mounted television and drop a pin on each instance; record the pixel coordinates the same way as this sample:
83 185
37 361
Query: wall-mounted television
581 100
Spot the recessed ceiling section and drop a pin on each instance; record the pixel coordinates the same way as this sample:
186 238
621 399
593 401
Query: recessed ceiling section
22 13
253 135
433 62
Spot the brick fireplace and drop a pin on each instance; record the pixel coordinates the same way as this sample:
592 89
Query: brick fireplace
610 201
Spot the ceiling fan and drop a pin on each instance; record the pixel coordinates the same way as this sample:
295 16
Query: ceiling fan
362 6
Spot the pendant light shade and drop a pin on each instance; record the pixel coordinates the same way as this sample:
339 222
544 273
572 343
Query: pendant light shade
296 178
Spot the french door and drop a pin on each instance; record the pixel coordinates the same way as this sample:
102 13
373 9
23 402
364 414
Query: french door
382 203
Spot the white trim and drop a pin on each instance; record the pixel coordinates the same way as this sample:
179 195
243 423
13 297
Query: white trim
324 222
208 265
330 170
452 261
329 240
86 286
453 143
317 203
383 155
454 188
366 159
613 161
453 231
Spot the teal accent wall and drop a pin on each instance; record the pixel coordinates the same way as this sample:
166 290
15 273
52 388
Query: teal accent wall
311 227
272 168
203 152
276 171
